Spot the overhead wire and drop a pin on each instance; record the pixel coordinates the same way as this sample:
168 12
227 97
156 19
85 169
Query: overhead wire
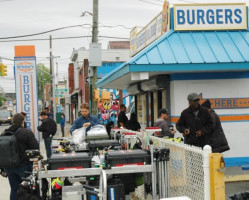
64 38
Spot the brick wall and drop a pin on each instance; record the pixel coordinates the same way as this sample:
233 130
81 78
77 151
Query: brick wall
71 77
86 84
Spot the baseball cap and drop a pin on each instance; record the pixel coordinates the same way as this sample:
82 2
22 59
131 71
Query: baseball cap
193 96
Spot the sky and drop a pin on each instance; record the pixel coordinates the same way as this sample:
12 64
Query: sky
116 18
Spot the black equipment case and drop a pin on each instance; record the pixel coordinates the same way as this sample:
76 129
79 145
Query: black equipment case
127 157
69 160
101 144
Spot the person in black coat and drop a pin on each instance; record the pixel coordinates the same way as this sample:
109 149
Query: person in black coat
195 123
48 129
122 118
133 124
218 140
26 141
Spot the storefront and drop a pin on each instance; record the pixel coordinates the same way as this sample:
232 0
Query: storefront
205 51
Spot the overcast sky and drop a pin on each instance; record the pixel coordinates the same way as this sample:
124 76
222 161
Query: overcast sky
24 17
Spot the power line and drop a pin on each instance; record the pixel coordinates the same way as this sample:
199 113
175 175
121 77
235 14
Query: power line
65 27
149 2
64 38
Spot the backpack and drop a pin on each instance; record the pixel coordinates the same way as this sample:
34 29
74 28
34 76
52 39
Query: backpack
53 127
9 150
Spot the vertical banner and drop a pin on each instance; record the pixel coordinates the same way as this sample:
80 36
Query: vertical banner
26 86
165 17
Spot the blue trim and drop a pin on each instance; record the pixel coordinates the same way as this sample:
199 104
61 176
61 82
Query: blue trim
209 75
121 71
172 18
180 68
236 161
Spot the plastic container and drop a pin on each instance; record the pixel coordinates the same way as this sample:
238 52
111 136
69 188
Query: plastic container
69 161
127 157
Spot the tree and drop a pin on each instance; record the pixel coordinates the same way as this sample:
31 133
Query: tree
42 79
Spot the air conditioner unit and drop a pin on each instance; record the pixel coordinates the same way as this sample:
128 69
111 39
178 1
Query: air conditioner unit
156 83
133 89
149 85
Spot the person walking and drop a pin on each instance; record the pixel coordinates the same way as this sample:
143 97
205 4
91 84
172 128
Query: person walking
162 123
195 123
218 140
122 118
26 141
49 114
85 120
63 120
48 129
133 124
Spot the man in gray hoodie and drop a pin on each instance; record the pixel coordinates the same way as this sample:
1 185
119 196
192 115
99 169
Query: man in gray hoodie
162 123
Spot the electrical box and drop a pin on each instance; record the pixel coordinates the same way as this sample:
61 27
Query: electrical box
95 54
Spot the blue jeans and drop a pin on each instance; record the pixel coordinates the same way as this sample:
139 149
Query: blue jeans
48 146
15 178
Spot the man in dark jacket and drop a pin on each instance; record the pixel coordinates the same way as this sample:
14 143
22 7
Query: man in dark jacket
218 140
48 129
122 118
195 123
26 141
49 114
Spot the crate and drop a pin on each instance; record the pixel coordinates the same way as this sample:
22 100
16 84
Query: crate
62 161
127 157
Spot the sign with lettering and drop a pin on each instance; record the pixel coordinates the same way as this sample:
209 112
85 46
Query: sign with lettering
210 16
60 92
156 28
226 103
26 88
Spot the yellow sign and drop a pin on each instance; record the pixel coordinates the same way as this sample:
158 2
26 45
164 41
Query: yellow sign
165 17
3 69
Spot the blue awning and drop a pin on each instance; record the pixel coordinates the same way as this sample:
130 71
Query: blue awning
184 52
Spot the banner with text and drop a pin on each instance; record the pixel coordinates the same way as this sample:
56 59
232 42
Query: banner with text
156 28
26 88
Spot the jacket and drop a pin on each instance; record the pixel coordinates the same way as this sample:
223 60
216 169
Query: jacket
218 140
78 123
163 124
26 141
63 122
202 122
48 127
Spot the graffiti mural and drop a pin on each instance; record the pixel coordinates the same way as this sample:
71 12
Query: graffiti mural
108 109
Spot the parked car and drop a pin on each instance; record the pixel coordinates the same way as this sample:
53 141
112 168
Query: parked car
5 117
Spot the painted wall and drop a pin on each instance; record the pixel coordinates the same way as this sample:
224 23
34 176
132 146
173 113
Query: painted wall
230 92
108 110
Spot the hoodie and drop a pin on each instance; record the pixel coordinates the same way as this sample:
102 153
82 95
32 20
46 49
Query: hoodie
163 124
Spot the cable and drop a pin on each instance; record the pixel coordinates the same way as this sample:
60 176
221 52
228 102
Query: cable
63 38
149 2
46 31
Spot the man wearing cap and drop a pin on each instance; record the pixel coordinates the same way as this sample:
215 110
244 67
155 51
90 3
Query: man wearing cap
162 123
195 123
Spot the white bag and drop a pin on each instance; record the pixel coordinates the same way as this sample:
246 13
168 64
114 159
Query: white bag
79 135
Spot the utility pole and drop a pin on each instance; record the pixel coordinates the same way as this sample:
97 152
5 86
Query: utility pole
52 73
51 67
94 40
